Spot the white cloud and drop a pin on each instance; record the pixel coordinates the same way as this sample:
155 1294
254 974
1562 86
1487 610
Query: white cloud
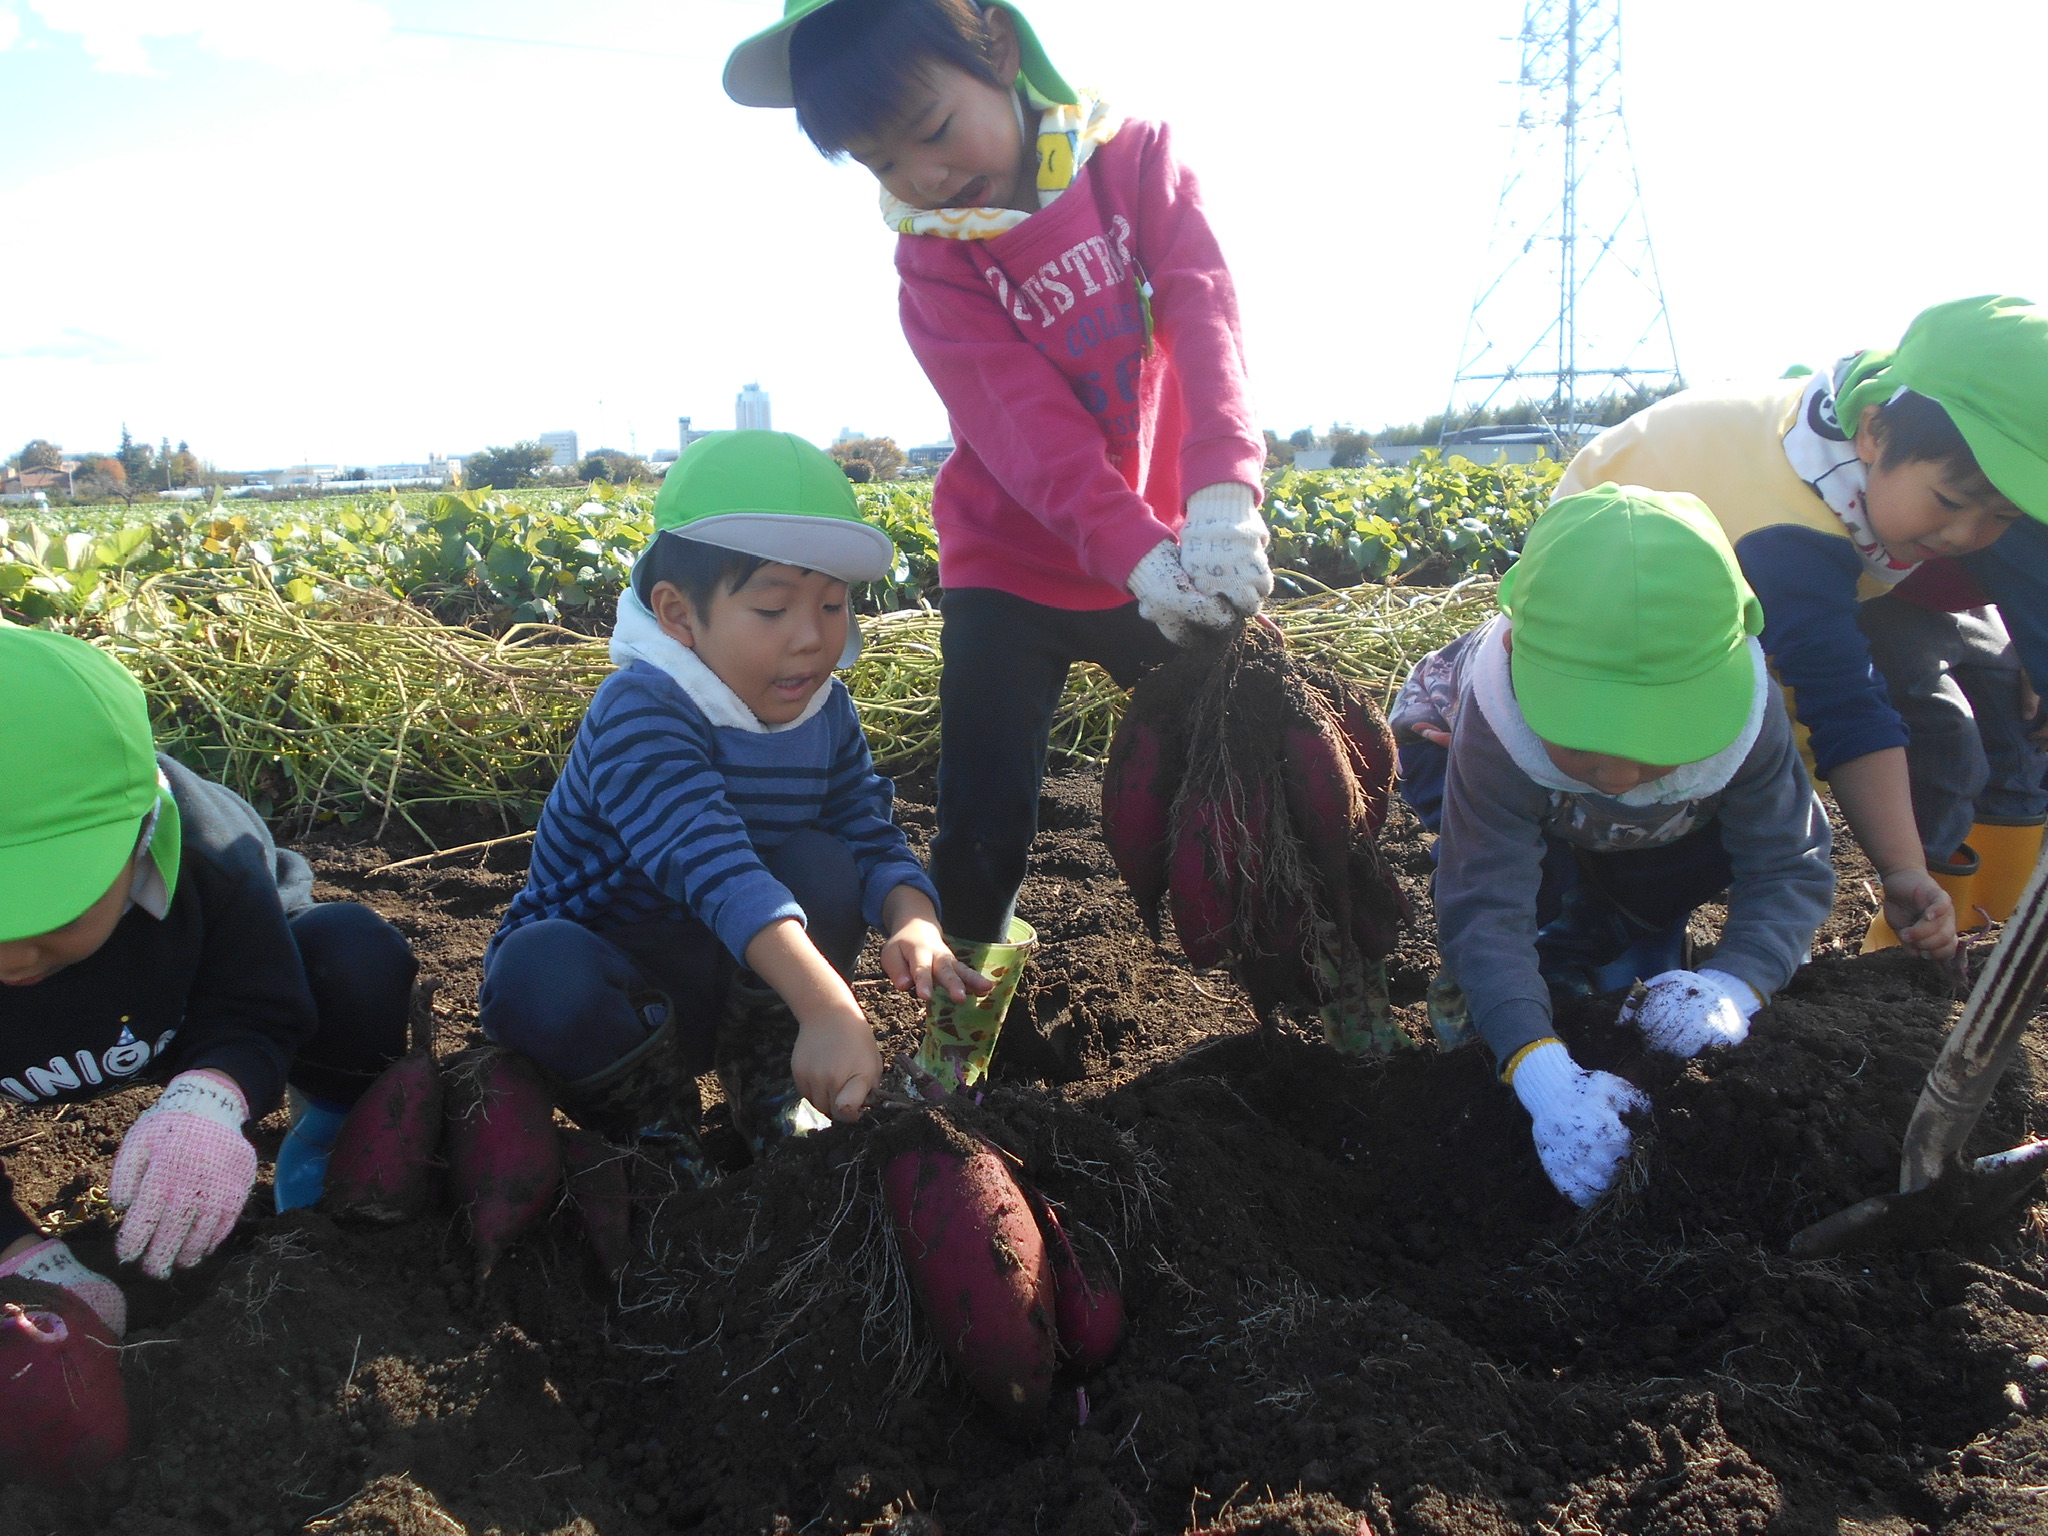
288 34
10 29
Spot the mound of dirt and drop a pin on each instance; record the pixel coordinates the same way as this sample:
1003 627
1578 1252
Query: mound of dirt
1356 1304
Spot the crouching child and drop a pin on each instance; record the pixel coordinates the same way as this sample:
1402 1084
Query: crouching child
708 865
1598 761
151 932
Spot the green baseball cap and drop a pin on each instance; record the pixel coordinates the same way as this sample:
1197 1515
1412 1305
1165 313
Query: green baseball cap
773 495
757 71
1984 361
79 762
1631 620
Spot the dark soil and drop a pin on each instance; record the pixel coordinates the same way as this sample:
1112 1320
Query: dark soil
1356 1303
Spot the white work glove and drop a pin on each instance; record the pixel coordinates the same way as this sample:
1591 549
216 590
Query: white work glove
54 1263
1686 1012
1580 1138
1223 546
1167 596
183 1174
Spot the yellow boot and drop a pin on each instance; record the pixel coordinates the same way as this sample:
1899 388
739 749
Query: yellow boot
1958 876
2009 849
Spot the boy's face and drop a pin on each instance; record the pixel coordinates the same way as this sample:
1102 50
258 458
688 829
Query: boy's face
24 962
773 642
957 142
1918 513
1607 773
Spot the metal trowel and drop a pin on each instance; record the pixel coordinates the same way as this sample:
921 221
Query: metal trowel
1940 1195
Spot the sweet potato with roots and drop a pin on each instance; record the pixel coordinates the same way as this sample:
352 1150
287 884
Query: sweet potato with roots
504 1154
978 1264
63 1413
383 1164
1371 748
604 1202
1137 810
1089 1313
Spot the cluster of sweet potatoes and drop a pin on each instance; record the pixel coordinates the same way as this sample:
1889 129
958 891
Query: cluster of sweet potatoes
63 1413
485 1122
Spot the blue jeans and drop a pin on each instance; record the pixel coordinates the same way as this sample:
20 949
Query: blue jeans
576 1000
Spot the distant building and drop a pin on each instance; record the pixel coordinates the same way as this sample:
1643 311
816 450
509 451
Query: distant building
563 446
1313 458
848 435
685 434
750 410
927 457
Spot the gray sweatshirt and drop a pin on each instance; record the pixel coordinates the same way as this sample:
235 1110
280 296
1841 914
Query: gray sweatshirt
1502 798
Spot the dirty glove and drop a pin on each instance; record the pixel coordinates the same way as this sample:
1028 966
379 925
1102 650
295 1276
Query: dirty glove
1223 546
1167 596
183 1174
54 1263
1580 1138
1686 1012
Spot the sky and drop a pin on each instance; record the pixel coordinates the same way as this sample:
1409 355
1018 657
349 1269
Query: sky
350 231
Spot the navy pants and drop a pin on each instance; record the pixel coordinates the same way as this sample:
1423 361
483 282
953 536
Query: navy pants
361 972
576 1000
1006 664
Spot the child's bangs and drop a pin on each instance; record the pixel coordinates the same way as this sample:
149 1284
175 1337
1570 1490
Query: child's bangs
855 65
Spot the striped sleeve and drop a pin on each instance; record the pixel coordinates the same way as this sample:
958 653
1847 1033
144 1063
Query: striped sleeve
859 811
653 780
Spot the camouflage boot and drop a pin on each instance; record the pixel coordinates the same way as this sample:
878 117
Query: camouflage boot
1448 1014
647 1095
755 1038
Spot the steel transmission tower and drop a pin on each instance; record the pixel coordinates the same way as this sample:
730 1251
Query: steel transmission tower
1570 311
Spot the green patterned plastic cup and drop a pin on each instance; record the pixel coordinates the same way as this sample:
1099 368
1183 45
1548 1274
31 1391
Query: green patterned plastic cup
959 1038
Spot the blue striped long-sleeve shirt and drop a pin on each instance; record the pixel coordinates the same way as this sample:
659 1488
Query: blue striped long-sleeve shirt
660 814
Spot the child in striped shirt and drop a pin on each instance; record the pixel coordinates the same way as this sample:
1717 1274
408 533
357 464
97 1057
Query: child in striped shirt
719 843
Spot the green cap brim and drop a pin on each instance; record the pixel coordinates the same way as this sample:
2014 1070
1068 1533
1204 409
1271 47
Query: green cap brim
1666 724
757 71
2021 476
45 885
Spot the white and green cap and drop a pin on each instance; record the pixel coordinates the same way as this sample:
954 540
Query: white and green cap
774 496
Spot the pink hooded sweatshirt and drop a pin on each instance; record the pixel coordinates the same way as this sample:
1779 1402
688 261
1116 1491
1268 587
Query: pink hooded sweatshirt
1075 449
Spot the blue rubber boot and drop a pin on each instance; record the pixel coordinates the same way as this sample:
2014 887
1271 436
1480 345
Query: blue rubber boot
1651 955
302 1155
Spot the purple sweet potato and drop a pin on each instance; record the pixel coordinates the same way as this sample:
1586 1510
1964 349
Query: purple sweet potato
504 1154
1137 804
598 1190
1371 748
978 1264
1089 1313
383 1165
1324 804
1213 857
63 1413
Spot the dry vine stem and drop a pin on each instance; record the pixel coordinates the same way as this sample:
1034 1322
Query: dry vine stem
368 704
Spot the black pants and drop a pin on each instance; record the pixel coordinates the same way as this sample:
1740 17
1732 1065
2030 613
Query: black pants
361 971
576 1000
1006 663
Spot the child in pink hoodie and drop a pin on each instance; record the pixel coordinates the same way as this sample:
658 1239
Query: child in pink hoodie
1064 293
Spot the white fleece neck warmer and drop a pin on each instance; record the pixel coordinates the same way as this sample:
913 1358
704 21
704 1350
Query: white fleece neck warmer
1822 453
1494 689
638 636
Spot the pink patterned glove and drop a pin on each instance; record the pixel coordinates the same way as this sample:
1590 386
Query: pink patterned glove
183 1174
54 1263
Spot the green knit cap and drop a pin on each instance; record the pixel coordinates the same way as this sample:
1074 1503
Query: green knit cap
757 71
1631 623
79 763
1985 362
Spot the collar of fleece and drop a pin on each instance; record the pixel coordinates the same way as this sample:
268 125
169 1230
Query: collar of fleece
638 636
1494 689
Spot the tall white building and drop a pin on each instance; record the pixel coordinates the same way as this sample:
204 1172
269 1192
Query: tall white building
750 411
563 446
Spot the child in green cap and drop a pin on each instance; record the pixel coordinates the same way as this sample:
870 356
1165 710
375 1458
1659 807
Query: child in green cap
1879 510
151 932
1595 770
719 843
1063 291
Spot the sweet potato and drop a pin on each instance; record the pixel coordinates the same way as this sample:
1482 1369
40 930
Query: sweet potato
63 1413
1137 801
1371 748
1214 854
383 1164
598 1190
978 1265
1324 804
1089 1313
504 1156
